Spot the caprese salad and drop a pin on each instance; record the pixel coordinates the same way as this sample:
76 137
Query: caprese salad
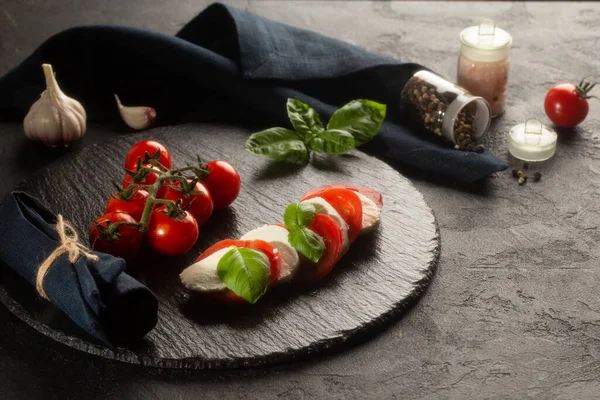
315 234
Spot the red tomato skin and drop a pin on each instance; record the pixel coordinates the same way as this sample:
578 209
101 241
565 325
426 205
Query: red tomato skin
223 182
347 204
330 231
373 195
202 206
150 146
267 248
126 246
171 237
564 106
134 207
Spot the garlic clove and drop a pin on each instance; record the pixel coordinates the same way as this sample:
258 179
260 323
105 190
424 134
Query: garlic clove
55 118
139 117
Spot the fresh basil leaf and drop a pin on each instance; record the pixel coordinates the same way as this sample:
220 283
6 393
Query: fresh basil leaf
278 144
307 243
298 215
332 141
361 118
246 272
305 120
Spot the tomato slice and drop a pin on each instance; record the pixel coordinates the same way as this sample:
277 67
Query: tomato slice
267 248
375 196
326 227
347 204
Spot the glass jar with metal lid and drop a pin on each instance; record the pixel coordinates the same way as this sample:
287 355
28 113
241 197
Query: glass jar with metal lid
483 63
436 107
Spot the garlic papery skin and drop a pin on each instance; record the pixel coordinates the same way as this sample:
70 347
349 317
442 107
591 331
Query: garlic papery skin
139 117
55 118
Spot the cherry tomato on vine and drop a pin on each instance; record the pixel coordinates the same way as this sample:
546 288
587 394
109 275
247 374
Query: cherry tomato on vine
171 236
326 227
124 242
201 206
133 207
150 147
222 182
567 105
150 179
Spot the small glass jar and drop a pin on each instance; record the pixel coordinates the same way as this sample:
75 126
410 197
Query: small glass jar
532 141
435 106
483 63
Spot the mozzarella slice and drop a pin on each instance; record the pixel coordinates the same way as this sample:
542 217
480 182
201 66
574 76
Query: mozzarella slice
278 237
323 207
202 276
371 213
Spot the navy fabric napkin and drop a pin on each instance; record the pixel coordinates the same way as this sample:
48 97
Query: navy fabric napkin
230 65
98 296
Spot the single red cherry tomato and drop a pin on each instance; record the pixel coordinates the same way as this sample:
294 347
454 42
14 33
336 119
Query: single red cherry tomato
201 206
267 248
169 236
134 206
326 227
347 204
373 195
150 179
125 242
566 104
223 183
150 147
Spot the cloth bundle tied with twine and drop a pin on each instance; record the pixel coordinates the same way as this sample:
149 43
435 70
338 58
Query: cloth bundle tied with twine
90 288
69 244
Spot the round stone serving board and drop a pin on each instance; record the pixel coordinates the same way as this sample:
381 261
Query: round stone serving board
382 274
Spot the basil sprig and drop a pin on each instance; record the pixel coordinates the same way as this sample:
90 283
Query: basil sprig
246 272
352 125
297 218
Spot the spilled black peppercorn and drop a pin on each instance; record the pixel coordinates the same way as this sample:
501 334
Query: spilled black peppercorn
522 176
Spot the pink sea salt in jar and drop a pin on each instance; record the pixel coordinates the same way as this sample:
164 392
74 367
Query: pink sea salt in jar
483 63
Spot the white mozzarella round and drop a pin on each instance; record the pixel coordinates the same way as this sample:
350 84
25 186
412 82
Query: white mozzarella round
202 276
371 213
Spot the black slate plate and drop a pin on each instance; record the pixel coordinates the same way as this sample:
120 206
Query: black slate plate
381 275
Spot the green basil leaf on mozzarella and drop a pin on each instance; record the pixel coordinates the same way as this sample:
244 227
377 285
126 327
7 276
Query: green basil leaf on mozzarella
246 272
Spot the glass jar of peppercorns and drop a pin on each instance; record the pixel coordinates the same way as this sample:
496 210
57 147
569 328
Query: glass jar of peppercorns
435 106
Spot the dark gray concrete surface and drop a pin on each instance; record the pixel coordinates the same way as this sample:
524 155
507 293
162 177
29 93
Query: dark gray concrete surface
514 311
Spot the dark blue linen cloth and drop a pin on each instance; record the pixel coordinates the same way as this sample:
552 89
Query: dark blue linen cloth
230 65
97 295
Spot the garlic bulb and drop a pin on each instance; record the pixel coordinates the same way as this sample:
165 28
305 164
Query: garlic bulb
55 118
139 117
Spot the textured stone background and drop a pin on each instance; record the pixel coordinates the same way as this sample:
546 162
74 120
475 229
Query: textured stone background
514 311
